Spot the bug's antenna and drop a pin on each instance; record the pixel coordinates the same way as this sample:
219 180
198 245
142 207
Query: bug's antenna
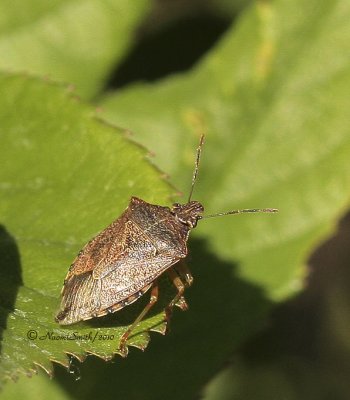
196 167
249 210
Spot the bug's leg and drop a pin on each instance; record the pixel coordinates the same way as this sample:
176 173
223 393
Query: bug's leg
153 299
184 273
187 278
179 299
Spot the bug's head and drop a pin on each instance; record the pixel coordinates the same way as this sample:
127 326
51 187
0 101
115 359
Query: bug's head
188 213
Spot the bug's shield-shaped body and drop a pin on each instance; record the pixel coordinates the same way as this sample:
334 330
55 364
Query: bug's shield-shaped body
120 264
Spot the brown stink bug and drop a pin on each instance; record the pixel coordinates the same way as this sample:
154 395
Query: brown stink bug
126 259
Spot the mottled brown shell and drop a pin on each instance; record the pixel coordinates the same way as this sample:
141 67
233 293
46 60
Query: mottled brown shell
120 263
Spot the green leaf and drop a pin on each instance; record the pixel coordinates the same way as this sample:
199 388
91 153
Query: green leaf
38 387
64 176
273 101
76 41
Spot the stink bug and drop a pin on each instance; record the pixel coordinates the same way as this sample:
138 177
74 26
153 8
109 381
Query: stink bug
126 259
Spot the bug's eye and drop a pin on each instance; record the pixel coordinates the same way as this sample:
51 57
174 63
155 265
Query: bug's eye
176 205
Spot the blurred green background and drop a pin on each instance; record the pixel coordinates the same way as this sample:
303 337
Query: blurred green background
268 83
